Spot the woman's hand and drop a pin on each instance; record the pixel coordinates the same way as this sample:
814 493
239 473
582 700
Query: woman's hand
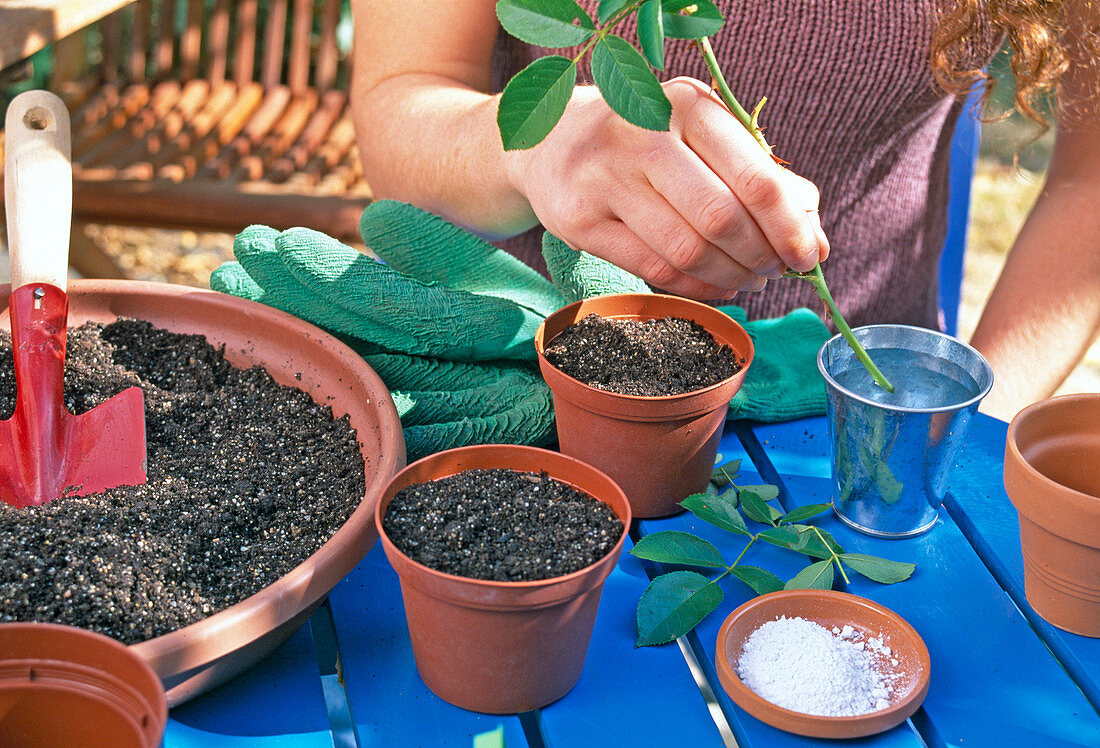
700 211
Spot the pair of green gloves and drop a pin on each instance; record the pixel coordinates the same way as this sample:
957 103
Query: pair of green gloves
447 321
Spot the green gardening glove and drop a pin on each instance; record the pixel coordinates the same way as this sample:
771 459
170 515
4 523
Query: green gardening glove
783 382
447 322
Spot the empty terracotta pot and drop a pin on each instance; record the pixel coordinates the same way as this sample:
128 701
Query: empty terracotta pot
65 686
501 647
658 449
198 657
1051 476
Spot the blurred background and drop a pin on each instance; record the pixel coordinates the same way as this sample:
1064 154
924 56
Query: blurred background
1007 180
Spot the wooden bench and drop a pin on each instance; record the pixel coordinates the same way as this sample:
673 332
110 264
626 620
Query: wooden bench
213 115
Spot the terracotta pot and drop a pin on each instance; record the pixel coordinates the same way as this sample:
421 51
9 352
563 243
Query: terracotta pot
502 647
659 449
64 686
1051 454
198 657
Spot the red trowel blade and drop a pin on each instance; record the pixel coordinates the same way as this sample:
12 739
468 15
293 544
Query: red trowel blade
45 451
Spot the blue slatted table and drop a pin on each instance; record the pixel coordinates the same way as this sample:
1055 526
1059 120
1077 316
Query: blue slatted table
1001 676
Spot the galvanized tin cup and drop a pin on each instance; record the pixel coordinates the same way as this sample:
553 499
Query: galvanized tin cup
892 453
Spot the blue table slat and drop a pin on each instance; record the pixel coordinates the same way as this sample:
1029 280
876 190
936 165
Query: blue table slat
391 706
993 681
277 702
626 696
747 729
978 504
179 735
604 708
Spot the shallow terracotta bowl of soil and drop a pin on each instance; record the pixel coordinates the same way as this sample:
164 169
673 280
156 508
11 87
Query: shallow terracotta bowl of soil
200 656
830 609
494 646
659 449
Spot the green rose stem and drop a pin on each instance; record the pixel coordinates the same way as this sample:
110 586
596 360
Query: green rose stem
834 557
815 276
817 279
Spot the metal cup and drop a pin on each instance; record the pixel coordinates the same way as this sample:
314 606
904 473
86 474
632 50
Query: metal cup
892 453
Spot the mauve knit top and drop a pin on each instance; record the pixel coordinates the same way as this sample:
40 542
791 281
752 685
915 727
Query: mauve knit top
853 107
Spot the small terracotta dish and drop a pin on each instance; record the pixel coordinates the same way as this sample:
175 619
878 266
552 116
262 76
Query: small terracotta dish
829 609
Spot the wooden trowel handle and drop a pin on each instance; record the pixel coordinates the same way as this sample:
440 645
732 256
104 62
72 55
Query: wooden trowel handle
38 188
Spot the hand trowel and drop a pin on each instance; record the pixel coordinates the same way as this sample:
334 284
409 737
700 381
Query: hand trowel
46 451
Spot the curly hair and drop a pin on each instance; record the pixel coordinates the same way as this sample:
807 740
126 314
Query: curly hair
1043 42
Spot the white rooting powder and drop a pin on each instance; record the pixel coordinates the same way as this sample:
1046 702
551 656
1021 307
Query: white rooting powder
803 666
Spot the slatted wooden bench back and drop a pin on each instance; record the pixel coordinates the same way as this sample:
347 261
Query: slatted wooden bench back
212 114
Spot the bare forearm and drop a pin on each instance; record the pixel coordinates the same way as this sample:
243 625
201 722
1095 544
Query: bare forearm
424 117
1045 309
425 140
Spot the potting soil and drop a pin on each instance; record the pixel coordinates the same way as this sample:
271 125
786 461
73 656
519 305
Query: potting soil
647 358
501 525
247 478
801 665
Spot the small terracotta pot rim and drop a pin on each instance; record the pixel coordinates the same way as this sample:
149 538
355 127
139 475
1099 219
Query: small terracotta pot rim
649 398
540 346
1087 501
473 582
534 584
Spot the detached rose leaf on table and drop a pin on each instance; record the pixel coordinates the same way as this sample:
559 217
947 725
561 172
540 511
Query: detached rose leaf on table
674 604
677 601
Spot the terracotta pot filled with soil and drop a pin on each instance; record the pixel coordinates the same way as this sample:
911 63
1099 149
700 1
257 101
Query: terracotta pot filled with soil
502 552
65 686
642 388
262 481
1051 454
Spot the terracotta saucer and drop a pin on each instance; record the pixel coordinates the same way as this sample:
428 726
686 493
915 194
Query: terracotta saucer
830 609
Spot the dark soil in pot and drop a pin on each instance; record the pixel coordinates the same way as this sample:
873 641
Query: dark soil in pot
502 525
650 358
247 478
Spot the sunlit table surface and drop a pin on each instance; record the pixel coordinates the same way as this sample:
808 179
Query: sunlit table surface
1001 676
27 26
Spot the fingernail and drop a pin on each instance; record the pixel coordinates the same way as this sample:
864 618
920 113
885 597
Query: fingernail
819 233
822 245
805 262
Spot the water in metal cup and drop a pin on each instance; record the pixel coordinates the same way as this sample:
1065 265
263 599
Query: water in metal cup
892 453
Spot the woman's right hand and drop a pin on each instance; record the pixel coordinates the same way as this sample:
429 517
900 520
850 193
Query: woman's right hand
701 210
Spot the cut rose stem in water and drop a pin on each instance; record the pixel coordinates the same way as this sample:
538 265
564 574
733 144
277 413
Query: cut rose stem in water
815 276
